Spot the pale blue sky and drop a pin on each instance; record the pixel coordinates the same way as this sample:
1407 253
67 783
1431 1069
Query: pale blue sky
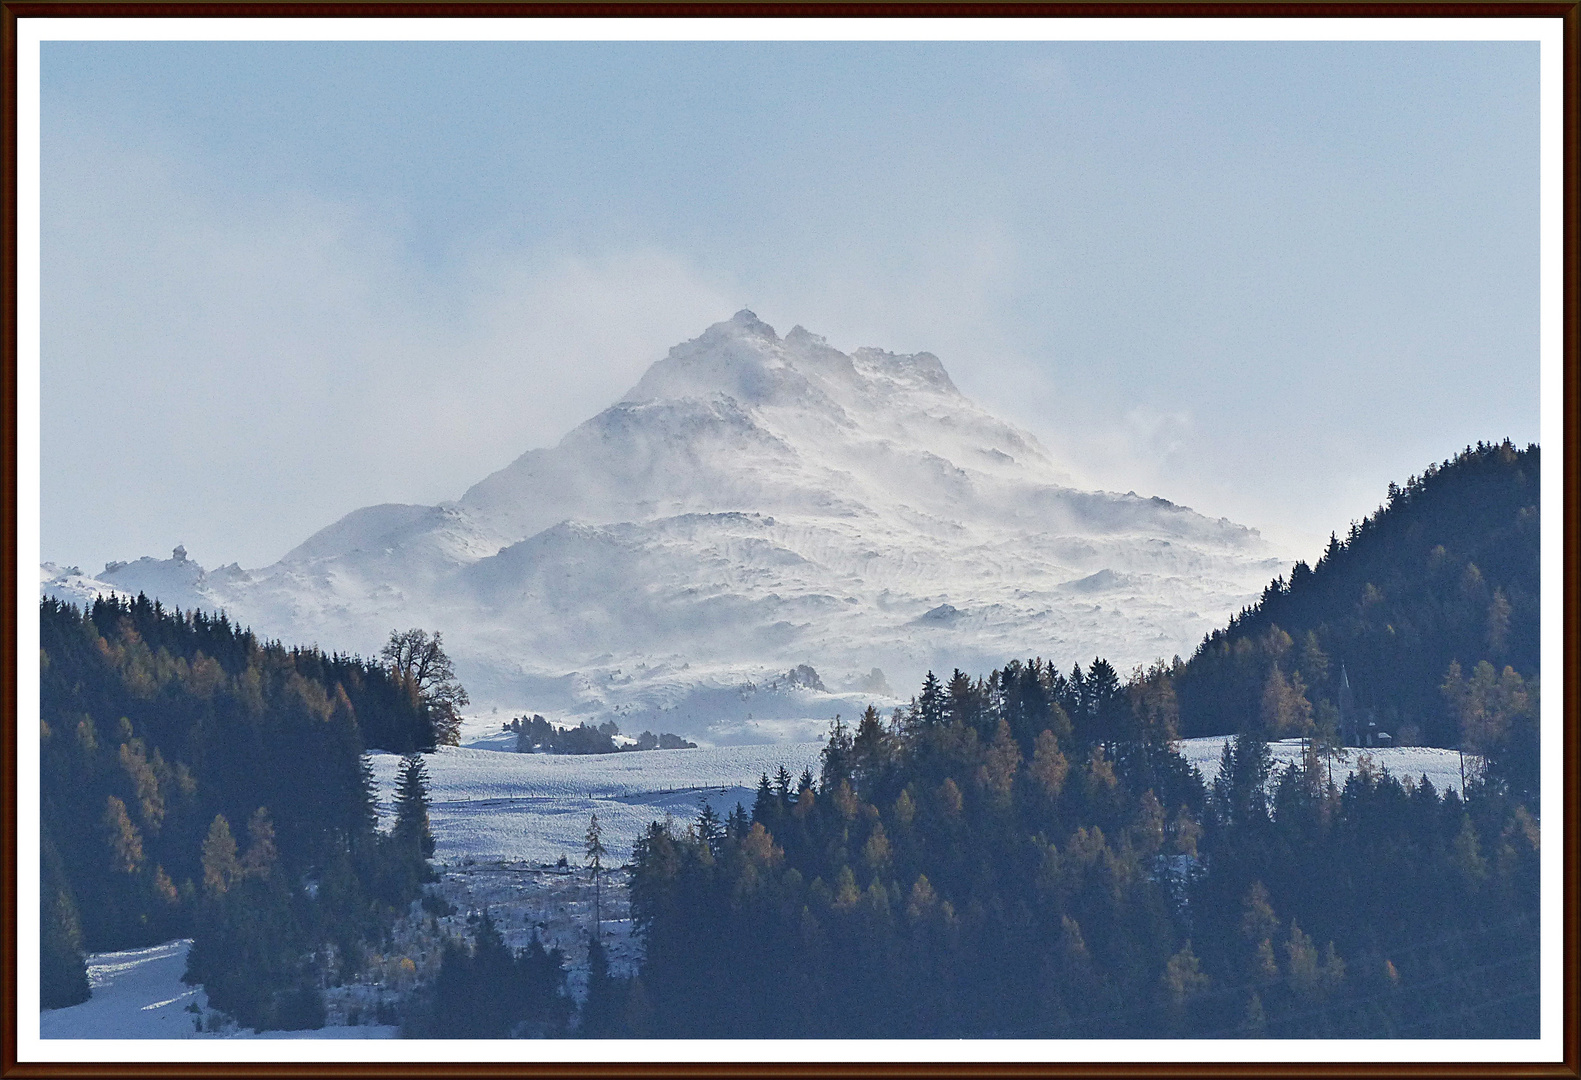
293 279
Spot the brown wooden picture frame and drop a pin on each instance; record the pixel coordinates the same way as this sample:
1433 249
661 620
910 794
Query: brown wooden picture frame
13 591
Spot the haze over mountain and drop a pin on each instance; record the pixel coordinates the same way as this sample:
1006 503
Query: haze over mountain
753 504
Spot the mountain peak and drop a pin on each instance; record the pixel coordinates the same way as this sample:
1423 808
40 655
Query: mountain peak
742 358
745 359
743 323
748 318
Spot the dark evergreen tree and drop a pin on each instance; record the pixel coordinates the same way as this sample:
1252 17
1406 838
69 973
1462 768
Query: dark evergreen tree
484 991
767 806
1240 791
411 806
738 823
1104 705
838 757
871 754
928 708
63 972
963 702
600 1012
710 830
593 846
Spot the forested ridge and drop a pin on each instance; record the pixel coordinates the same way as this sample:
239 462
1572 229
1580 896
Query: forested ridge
196 781
1446 571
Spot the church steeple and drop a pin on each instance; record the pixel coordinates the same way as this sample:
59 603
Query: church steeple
1348 730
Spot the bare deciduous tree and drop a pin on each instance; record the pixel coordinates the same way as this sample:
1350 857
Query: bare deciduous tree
419 661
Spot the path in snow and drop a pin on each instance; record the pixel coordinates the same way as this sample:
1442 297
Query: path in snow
138 994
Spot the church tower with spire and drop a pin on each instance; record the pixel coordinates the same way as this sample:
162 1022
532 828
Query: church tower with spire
1349 729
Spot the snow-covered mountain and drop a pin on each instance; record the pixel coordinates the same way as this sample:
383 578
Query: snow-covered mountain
755 503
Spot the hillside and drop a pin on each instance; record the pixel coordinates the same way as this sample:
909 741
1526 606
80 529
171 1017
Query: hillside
192 777
1445 572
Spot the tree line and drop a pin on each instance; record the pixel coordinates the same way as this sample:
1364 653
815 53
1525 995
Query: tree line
534 734
485 990
987 864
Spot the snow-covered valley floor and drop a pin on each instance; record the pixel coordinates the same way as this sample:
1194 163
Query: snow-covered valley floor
503 821
489 805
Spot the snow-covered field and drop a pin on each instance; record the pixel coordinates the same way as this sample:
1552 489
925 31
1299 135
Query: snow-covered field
491 805
1440 766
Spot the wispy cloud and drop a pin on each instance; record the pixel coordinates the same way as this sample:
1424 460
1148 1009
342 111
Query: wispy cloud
269 364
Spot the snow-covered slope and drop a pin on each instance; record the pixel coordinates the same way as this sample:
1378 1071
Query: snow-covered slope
138 994
754 503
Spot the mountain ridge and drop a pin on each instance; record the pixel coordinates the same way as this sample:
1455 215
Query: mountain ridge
751 504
